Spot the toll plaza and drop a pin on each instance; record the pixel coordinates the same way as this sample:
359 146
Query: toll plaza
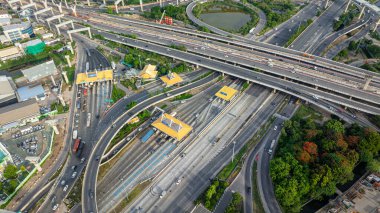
172 126
93 77
171 79
226 93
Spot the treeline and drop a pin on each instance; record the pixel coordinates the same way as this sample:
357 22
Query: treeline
313 159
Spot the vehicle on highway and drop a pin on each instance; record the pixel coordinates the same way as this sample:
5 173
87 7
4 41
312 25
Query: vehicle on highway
163 193
74 175
248 189
315 97
63 182
75 134
53 199
65 188
80 149
77 144
270 151
82 160
97 158
78 104
55 207
178 181
275 128
73 167
91 194
88 119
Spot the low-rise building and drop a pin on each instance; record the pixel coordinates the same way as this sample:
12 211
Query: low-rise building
10 53
15 32
171 79
40 71
34 47
149 72
5 21
4 14
7 91
18 114
31 92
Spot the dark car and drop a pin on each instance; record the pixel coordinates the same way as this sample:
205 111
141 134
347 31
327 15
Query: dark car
97 158
248 189
91 194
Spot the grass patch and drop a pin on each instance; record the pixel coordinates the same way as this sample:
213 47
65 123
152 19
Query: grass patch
227 170
75 195
298 32
211 196
236 204
183 96
305 112
59 107
129 83
178 47
245 86
117 93
131 196
70 72
257 204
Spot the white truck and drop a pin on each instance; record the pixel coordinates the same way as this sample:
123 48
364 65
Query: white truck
88 119
75 134
271 147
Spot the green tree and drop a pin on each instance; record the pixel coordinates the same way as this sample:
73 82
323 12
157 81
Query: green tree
279 169
334 127
10 171
373 166
22 168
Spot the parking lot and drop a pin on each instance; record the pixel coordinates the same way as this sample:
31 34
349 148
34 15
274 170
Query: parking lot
28 141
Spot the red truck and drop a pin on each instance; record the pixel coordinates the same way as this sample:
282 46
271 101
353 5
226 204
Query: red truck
76 145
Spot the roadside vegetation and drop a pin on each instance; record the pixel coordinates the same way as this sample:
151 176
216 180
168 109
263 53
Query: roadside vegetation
313 158
175 12
346 19
211 196
199 8
128 128
364 48
257 204
298 32
183 96
236 205
117 93
49 53
276 11
59 107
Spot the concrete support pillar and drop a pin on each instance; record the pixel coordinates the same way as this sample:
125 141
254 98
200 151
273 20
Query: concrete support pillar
61 100
70 47
177 2
59 32
67 6
160 3
141 6
38 167
197 66
274 90
45 4
377 25
60 8
361 12
71 38
316 87
347 6
367 81
64 73
52 80
88 3
104 2
117 11
89 33
327 4
223 74
68 60
122 3
55 129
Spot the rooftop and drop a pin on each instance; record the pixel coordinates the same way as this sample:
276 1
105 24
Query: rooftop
226 93
6 88
148 72
9 51
19 111
16 26
91 77
5 21
40 71
172 126
28 92
33 42
171 79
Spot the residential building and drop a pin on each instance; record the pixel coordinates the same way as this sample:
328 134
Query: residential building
5 21
18 114
149 72
7 91
10 53
40 71
15 32
31 92
4 14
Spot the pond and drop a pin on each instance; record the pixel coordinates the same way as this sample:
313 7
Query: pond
225 17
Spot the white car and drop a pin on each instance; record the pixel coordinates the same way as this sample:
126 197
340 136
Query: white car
55 207
275 128
65 188
178 181
74 175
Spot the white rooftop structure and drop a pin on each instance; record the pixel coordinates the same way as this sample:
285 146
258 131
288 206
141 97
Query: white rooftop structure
7 90
40 71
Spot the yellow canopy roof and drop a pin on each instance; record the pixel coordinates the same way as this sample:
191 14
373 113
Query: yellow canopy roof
91 77
173 79
226 93
148 72
172 126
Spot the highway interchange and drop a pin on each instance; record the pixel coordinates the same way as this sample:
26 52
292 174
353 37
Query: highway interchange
228 57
